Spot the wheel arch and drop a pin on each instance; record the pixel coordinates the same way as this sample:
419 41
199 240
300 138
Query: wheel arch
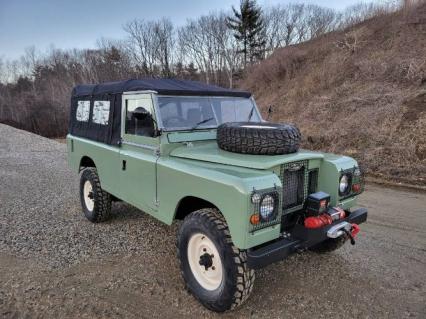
189 204
86 161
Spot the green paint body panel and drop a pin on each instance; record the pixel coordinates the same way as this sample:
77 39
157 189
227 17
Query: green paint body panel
210 152
160 172
330 174
106 158
189 137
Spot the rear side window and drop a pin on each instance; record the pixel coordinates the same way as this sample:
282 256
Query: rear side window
101 112
83 111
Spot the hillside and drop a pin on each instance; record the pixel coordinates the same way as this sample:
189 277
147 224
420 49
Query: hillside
361 92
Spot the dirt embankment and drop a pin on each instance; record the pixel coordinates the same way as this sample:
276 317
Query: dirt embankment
361 92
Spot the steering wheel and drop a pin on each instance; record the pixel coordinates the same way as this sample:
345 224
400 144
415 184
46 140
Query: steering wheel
174 119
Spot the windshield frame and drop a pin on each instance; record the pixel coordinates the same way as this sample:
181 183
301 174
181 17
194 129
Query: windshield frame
201 128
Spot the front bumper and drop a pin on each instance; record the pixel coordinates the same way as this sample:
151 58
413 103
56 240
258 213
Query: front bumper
299 239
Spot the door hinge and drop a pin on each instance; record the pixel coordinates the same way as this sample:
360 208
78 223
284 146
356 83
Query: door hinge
156 202
157 152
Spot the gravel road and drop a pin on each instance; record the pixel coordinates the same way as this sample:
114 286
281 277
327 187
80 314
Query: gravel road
56 264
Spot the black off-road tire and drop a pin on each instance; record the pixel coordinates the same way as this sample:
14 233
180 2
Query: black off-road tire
102 200
237 281
258 138
329 245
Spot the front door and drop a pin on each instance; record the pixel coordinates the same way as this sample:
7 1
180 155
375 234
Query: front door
139 153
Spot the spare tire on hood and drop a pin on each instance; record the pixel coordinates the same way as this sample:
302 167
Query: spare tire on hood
258 138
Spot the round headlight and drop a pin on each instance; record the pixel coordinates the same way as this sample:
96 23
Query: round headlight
343 184
266 208
255 198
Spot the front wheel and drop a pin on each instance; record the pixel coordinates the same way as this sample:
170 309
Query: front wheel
214 270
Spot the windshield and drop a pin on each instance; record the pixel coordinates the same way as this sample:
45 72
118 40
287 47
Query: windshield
181 113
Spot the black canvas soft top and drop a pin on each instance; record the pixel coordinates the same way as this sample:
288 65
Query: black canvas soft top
161 86
93 99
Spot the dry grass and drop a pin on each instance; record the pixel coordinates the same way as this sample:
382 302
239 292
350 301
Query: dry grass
61 140
361 92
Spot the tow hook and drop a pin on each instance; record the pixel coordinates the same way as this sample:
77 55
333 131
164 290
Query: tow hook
350 230
351 234
355 230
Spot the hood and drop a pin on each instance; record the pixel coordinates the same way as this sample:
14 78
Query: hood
210 152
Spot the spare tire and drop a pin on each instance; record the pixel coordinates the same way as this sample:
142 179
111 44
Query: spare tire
258 138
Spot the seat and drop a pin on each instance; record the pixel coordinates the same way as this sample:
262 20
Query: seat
143 127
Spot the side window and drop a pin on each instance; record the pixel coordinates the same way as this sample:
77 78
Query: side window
139 117
101 112
83 111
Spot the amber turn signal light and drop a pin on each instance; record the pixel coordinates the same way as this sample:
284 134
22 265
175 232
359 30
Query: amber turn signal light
255 219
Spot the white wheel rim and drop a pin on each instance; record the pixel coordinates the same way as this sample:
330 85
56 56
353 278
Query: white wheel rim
198 245
87 193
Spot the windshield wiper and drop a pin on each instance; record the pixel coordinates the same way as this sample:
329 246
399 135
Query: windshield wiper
201 122
251 114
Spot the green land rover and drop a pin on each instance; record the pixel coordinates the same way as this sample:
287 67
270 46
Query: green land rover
245 193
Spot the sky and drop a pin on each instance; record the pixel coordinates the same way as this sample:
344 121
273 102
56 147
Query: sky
67 24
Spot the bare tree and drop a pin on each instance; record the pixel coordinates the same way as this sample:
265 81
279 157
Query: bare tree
283 22
363 11
208 43
164 43
319 21
3 78
151 45
230 60
141 45
196 44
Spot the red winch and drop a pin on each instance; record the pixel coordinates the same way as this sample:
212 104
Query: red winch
319 214
332 214
327 218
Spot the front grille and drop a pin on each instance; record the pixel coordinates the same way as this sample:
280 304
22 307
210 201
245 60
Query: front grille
293 177
313 181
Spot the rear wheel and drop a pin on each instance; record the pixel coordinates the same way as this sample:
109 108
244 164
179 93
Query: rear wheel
96 202
214 270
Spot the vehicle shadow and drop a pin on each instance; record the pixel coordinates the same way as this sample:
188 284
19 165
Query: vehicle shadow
123 211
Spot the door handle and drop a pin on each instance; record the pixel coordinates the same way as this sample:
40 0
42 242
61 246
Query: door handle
123 167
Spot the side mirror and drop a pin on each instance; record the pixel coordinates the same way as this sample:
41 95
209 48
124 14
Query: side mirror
270 111
140 113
